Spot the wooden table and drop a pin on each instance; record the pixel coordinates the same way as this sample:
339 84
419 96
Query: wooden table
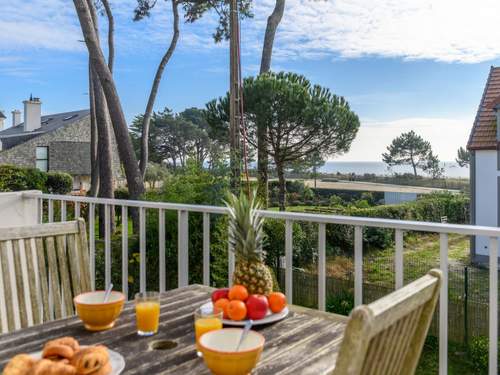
306 342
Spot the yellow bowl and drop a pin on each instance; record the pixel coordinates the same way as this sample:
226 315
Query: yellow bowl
95 314
218 349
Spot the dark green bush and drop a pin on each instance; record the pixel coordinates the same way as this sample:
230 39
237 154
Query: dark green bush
14 178
478 351
195 186
59 183
37 180
122 193
340 303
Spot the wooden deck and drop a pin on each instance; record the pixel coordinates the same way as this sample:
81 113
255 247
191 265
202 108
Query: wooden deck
306 342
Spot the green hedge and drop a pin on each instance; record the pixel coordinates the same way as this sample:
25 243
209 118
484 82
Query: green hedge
432 207
14 178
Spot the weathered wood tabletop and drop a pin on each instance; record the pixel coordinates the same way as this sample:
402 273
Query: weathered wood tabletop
306 342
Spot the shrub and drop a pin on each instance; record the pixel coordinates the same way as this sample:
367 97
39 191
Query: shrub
478 352
14 178
59 183
122 193
340 303
37 180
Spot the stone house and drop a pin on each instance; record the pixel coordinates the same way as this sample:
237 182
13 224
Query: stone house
52 143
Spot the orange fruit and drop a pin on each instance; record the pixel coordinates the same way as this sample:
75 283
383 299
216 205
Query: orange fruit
238 292
236 310
277 301
221 304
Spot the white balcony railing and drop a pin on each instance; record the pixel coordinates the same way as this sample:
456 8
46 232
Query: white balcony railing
359 224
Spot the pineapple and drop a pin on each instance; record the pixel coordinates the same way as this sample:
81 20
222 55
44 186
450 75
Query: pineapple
246 239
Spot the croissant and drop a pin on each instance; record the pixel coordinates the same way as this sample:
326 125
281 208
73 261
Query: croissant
91 359
64 347
48 367
21 364
105 370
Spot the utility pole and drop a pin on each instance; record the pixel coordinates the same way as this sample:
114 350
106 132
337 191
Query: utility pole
235 100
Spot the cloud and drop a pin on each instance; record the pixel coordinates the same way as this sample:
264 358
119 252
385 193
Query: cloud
445 134
442 30
39 24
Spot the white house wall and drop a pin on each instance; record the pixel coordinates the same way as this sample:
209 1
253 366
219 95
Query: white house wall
486 195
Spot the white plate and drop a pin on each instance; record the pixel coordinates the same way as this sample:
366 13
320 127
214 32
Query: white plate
116 359
269 318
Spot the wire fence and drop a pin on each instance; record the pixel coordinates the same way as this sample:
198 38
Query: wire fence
468 291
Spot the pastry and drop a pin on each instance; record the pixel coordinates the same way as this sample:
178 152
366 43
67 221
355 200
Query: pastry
90 359
104 370
64 347
21 364
48 367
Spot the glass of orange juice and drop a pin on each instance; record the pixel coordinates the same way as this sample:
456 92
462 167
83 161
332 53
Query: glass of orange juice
206 320
147 313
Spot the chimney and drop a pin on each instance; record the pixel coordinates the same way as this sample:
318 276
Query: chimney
32 114
16 117
2 119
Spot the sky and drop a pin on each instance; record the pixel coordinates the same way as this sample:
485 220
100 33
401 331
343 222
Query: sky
401 64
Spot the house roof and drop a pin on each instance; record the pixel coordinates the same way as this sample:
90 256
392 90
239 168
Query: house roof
15 135
2 115
484 131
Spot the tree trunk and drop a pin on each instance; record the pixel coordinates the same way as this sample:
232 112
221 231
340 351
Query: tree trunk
265 65
106 183
111 34
282 187
234 105
125 149
105 155
414 167
262 164
94 166
154 91
272 25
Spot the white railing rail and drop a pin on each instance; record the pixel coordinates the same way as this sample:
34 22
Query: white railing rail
359 223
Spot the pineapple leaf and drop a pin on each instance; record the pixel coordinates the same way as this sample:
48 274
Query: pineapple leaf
246 234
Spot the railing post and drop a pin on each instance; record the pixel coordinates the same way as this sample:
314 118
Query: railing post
493 310
231 259
289 260
91 243
161 242
77 210
142 249
107 246
51 210
398 259
206 248
358 266
63 211
322 267
125 251
443 305
182 249
40 211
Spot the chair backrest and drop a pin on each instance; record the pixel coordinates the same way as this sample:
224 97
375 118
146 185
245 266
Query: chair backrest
386 337
42 268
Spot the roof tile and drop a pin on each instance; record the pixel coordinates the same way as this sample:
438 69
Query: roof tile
484 134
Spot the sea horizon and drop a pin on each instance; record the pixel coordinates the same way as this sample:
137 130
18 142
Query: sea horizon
451 168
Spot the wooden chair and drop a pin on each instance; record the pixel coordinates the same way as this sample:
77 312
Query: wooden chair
42 267
386 337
